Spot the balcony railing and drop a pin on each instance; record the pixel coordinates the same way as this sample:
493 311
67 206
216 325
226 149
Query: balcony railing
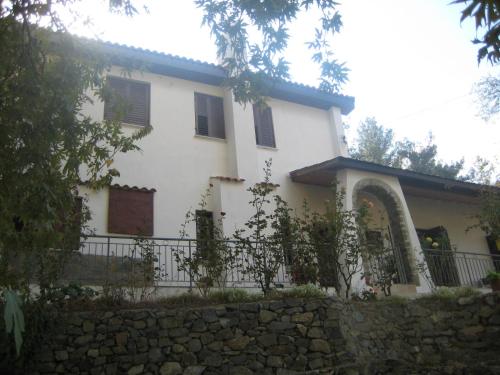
107 259
453 268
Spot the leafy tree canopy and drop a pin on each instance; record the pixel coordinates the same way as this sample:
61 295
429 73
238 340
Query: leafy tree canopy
487 92
486 14
376 144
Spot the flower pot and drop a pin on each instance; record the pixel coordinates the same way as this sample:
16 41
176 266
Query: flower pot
495 285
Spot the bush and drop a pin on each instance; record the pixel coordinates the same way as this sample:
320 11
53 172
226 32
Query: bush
303 291
446 293
233 296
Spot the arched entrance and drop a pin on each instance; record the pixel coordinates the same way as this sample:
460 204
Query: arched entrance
387 230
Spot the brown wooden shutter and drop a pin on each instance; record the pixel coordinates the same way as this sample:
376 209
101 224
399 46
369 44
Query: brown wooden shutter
216 111
209 115
201 113
131 96
264 129
131 211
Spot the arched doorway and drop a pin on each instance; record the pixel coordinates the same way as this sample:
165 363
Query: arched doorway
387 231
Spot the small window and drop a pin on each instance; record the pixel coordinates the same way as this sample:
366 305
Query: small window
130 211
264 130
204 231
209 116
129 101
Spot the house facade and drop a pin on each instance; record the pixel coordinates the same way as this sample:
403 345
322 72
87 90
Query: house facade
203 139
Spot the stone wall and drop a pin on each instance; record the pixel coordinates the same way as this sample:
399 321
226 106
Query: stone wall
280 337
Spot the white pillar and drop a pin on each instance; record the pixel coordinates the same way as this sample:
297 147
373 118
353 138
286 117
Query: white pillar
240 135
337 133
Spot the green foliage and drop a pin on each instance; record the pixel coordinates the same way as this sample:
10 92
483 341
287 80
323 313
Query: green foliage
488 218
303 291
486 13
262 253
14 317
71 293
213 256
492 276
252 62
376 144
232 295
47 147
487 92
445 293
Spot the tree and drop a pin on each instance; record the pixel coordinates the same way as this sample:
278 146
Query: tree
424 159
486 13
253 65
376 144
487 92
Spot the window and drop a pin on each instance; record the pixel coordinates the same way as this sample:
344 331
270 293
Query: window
204 231
264 130
130 211
129 102
209 115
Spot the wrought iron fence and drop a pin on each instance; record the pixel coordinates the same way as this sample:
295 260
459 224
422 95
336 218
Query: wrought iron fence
107 259
453 268
104 259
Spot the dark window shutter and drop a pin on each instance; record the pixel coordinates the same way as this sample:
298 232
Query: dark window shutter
216 110
264 129
131 97
209 115
130 212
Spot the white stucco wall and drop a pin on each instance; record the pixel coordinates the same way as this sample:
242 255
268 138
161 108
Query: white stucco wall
179 164
454 216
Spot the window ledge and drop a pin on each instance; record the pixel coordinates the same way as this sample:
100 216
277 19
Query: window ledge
223 140
132 126
267 148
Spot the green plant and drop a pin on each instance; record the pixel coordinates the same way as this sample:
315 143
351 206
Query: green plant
63 295
14 317
447 293
304 291
336 237
262 252
231 296
143 271
208 263
493 276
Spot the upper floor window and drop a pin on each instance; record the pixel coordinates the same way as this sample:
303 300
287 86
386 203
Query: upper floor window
130 101
209 115
264 130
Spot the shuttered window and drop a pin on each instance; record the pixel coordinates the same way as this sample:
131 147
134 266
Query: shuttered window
130 211
209 115
130 101
264 130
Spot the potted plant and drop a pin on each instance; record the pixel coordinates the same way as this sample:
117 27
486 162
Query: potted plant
493 278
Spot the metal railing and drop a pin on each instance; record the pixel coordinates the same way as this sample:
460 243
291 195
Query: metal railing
453 268
107 259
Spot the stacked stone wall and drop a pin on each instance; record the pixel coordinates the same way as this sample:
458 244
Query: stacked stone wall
280 337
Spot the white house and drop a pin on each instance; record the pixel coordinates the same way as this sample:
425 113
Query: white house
201 136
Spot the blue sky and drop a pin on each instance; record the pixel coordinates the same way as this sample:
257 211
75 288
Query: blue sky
412 63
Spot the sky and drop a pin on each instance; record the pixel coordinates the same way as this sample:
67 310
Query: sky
412 64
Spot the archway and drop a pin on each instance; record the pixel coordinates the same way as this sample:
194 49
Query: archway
386 206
